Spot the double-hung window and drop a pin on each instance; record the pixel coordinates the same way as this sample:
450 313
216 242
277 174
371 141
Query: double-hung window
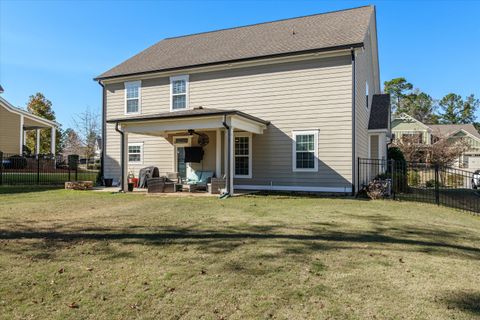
132 97
135 153
305 151
243 155
178 93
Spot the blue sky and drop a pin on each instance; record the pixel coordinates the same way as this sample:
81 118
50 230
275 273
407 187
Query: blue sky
58 47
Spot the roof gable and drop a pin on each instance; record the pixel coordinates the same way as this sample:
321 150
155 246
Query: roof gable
332 30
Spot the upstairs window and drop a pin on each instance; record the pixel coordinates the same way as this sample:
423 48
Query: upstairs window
132 97
178 93
305 151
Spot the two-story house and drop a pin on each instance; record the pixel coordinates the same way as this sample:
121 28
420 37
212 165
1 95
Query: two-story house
282 105
405 125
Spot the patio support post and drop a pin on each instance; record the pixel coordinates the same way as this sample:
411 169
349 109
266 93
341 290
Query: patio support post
53 140
218 154
231 166
37 145
22 133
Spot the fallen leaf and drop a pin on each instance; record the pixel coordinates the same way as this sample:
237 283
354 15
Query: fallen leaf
62 270
203 272
73 305
401 260
89 269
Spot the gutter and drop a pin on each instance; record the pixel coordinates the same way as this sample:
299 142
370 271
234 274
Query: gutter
227 180
104 124
122 154
354 114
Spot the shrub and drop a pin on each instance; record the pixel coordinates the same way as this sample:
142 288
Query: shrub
455 180
16 162
377 189
413 178
394 153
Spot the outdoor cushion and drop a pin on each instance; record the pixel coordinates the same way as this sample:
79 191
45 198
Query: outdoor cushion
206 175
193 177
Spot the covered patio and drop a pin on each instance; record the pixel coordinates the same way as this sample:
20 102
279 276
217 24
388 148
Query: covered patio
223 126
14 123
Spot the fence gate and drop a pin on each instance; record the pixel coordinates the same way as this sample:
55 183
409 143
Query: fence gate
422 182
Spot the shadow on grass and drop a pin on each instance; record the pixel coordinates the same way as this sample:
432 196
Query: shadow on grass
288 240
465 301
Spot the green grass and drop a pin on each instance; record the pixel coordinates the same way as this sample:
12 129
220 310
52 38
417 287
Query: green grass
58 178
117 256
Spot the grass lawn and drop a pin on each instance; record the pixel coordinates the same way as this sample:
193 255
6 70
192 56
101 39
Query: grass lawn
85 255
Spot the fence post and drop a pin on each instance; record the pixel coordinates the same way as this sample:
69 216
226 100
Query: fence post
1 168
358 176
38 169
76 172
437 186
393 168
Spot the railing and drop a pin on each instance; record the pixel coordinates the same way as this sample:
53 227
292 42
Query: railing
423 182
40 170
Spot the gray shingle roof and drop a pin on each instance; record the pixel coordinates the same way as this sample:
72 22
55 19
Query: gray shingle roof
446 130
339 29
380 112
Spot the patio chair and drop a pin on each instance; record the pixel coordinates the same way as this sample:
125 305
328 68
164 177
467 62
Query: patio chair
199 179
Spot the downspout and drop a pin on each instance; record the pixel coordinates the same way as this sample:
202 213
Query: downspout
122 154
227 180
104 111
354 162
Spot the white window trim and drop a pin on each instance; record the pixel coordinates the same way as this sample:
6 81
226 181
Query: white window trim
249 175
174 78
296 133
140 144
188 144
134 84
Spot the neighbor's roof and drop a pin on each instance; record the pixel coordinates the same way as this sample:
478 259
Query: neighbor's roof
7 105
192 113
327 31
380 112
446 130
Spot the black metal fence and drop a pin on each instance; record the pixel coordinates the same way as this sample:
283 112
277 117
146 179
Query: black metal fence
41 170
422 182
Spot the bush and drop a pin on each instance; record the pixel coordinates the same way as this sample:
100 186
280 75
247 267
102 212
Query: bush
413 178
394 153
16 162
455 180
431 183
377 189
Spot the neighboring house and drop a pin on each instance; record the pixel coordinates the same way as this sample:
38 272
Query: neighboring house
98 148
285 105
403 125
13 124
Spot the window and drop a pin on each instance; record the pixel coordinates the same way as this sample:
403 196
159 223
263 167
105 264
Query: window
132 97
135 152
305 150
243 155
178 93
366 94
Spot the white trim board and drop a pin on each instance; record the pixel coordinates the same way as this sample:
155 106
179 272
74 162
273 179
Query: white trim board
293 188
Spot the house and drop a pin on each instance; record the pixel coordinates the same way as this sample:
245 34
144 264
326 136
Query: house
283 105
13 124
405 125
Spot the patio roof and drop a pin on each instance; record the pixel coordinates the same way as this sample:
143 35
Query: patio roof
31 121
192 113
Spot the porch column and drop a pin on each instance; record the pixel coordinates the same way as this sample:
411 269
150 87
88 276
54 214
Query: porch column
218 154
22 134
125 160
53 140
37 145
232 163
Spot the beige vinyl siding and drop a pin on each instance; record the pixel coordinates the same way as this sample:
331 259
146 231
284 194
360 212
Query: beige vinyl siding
364 71
9 131
304 95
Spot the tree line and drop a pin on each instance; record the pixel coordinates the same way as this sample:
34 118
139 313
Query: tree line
450 109
80 139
